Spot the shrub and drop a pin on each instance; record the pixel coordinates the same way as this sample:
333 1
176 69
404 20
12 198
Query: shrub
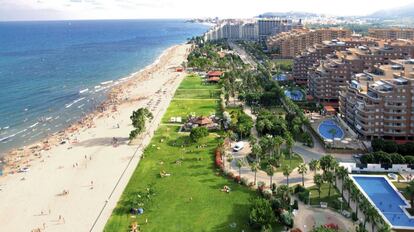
198 133
354 217
299 188
261 214
218 158
295 204
304 196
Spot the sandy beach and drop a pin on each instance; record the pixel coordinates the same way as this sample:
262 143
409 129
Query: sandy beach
73 180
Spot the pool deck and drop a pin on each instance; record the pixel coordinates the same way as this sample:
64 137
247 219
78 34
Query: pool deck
348 143
402 207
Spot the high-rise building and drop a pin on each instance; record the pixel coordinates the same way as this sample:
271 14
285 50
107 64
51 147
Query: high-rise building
379 104
292 43
274 26
336 71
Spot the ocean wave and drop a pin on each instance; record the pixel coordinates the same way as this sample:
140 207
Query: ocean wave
74 102
83 91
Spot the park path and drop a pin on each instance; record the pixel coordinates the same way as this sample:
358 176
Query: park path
261 176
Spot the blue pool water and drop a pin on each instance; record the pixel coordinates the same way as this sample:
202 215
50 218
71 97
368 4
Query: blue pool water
326 126
386 199
280 77
295 95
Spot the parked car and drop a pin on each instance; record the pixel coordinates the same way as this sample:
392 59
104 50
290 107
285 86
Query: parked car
238 147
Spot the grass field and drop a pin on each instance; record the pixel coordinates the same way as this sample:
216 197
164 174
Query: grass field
293 162
183 108
195 82
190 198
332 201
199 94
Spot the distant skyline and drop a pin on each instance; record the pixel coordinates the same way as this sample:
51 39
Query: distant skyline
11 10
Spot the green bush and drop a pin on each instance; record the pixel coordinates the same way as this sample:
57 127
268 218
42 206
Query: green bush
304 196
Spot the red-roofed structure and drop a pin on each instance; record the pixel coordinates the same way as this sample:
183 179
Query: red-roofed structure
214 73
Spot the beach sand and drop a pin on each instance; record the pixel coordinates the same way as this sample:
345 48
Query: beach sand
75 186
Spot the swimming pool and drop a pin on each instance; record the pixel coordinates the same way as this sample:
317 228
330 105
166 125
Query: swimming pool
280 77
295 95
386 199
325 128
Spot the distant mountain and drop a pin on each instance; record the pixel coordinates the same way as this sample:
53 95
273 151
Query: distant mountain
291 14
398 12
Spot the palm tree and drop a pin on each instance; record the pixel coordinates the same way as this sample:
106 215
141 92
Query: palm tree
257 150
327 163
355 196
371 216
303 169
409 190
329 178
270 170
348 186
286 172
254 167
365 208
240 164
278 141
332 131
289 145
314 166
318 180
342 173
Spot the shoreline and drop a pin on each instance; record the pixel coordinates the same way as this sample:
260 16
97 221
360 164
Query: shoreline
17 159
82 179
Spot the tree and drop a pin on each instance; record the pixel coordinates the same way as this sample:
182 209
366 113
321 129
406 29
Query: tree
314 166
342 173
286 172
327 163
240 164
371 216
261 214
278 141
139 118
198 133
355 196
289 145
303 169
332 132
329 177
254 167
257 151
270 170
318 180
409 190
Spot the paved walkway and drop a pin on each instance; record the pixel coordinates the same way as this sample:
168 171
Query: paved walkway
278 178
307 217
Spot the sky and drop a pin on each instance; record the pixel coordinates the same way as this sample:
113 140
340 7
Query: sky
140 9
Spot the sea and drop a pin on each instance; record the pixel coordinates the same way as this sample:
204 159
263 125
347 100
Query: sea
52 73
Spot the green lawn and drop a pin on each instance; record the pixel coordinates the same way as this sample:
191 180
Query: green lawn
333 201
195 82
183 108
190 198
199 94
293 162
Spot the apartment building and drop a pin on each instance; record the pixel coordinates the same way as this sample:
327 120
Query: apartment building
250 31
392 33
312 56
381 103
293 43
273 26
336 71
